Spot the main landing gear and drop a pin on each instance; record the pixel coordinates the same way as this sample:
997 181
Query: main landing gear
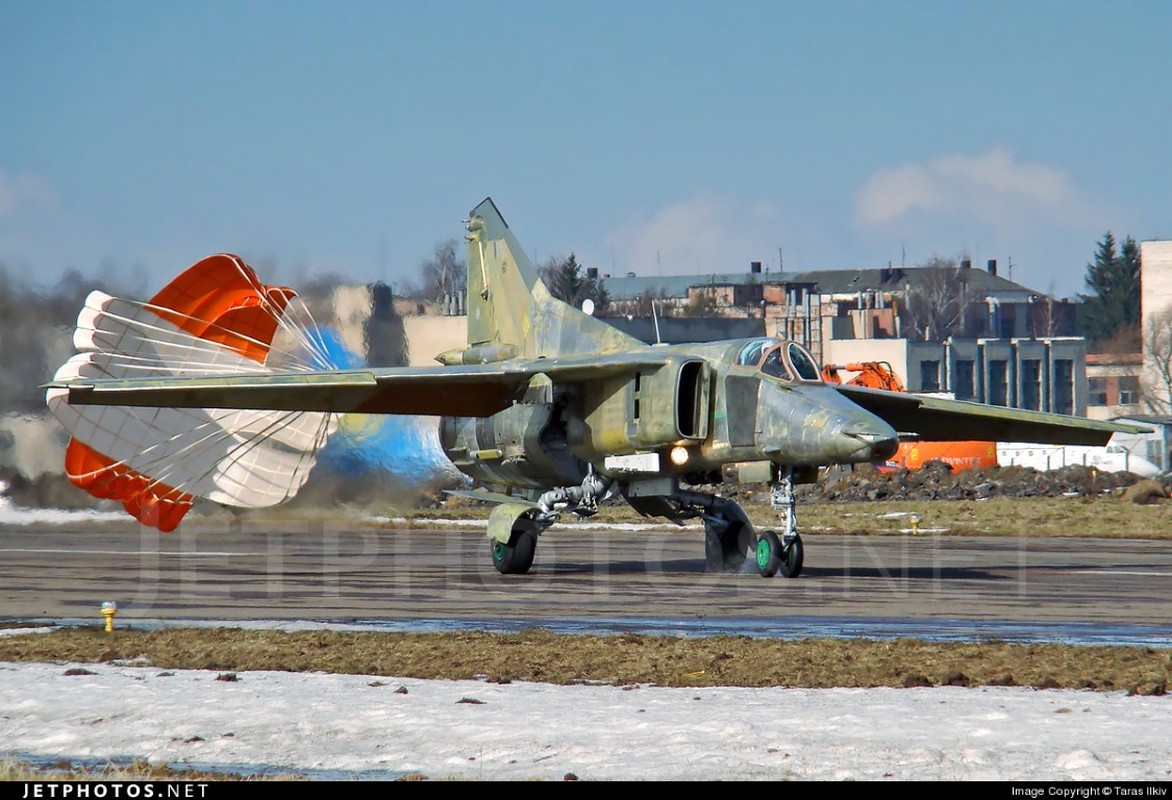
783 553
730 541
515 556
728 535
513 528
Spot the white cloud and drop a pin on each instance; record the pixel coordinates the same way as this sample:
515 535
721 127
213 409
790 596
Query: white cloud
703 233
992 188
22 189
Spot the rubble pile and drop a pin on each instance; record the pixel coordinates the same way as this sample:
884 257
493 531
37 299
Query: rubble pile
937 481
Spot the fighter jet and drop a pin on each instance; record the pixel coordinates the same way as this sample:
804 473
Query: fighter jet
552 411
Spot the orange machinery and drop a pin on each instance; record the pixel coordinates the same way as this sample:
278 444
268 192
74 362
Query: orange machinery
913 455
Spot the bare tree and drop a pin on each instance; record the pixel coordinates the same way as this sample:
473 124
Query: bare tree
1156 385
1126 339
937 301
1043 321
444 274
35 335
647 303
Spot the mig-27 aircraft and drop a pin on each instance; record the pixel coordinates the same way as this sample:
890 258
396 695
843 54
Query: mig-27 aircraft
550 409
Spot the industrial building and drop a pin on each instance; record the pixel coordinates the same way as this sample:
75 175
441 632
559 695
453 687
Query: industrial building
999 343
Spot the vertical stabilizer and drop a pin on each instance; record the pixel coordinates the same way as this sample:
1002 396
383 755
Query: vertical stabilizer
509 308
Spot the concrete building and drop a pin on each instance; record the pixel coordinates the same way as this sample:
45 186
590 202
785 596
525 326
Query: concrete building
1004 344
1046 374
1113 385
1156 291
368 317
1156 316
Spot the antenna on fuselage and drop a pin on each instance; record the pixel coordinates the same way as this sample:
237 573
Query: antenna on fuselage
655 319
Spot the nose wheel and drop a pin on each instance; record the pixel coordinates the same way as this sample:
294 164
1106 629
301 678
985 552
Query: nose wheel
773 556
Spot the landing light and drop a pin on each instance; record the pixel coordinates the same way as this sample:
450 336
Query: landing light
679 456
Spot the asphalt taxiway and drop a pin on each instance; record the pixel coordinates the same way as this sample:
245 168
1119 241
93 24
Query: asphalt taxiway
589 579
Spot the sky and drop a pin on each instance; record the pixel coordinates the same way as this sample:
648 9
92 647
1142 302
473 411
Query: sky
649 137
379 727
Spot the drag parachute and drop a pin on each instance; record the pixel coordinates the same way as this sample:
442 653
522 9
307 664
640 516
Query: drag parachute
216 318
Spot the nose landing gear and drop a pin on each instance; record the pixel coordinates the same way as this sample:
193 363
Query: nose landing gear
783 553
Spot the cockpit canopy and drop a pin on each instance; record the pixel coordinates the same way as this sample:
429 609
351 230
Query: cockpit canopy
787 361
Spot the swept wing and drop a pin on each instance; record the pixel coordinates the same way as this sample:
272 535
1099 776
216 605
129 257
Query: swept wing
938 419
474 391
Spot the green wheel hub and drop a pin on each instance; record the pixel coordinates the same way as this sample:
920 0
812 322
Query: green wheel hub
769 554
515 556
764 551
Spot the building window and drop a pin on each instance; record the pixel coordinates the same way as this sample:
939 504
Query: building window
998 382
930 376
1031 384
1097 391
1155 452
1063 386
1128 390
1008 321
962 377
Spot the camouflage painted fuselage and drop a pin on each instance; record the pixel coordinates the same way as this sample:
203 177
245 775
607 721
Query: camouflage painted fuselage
701 416
696 412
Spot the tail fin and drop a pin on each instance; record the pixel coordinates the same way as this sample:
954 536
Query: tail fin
510 311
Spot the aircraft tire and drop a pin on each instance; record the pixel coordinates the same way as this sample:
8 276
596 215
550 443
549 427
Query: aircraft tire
516 557
726 550
768 554
792 558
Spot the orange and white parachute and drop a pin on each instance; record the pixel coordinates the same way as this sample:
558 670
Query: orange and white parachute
217 318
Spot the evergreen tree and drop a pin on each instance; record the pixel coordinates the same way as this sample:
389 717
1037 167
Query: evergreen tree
1113 279
1129 256
567 281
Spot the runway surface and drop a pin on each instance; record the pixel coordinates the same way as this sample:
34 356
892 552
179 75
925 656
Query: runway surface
1090 590
358 576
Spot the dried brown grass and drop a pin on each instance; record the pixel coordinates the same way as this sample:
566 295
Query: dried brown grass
623 659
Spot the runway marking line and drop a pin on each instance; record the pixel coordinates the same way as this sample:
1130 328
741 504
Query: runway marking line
1141 574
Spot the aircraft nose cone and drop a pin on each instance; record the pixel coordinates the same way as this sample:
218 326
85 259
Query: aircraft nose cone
873 440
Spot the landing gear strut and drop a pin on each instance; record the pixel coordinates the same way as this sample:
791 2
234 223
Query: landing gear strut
729 537
782 554
513 528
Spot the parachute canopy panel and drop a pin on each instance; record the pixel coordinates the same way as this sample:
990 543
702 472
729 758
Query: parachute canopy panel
215 319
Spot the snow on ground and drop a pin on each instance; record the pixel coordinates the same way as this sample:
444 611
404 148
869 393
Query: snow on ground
11 514
345 726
